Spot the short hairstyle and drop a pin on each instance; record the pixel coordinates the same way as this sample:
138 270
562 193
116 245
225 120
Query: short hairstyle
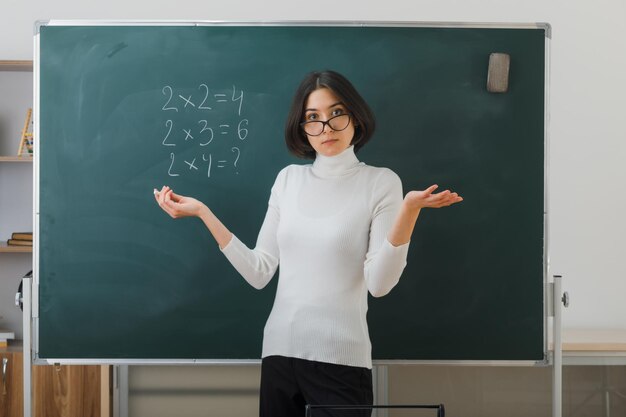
362 115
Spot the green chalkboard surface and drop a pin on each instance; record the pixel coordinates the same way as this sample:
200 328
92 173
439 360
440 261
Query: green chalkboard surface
127 108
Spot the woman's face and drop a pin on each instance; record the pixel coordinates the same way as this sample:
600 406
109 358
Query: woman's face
321 105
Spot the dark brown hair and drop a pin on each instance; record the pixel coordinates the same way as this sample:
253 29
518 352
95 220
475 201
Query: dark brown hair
362 116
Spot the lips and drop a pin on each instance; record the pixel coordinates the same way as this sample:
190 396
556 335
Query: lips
329 140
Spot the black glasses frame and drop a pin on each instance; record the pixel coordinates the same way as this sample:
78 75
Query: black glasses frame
327 122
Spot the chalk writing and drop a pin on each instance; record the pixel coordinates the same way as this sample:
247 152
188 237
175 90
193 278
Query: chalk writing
170 92
188 133
209 160
240 98
236 149
169 124
204 129
191 164
206 96
242 132
201 113
169 171
187 101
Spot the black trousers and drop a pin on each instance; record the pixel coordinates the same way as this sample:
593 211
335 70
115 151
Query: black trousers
288 384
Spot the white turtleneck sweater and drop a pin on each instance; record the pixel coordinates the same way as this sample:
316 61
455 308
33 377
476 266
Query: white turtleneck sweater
327 226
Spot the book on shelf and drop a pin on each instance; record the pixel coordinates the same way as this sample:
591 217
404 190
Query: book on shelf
26 142
5 336
18 242
22 236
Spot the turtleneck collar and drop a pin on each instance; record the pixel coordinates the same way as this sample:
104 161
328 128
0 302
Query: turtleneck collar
335 166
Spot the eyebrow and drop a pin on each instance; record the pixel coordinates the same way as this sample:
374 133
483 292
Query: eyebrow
339 103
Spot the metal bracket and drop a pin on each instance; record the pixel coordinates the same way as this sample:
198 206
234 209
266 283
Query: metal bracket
565 299
19 299
550 299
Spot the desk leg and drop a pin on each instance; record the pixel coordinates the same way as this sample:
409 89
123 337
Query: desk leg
381 389
120 391
606 391
557 365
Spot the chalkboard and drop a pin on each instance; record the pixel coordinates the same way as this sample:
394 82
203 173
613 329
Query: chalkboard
201 108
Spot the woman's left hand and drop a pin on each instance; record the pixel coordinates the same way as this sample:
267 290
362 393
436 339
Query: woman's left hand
426 198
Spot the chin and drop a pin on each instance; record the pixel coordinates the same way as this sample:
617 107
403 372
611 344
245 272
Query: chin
331 151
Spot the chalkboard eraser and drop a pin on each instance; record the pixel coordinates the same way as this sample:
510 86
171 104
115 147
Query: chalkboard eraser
498 74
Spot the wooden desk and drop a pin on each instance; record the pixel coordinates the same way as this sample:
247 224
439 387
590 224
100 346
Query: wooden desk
594 347
597 348
65 391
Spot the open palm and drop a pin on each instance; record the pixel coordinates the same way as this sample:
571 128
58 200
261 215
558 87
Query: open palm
427 198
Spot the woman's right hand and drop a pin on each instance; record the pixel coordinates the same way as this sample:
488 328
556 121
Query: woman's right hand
178 206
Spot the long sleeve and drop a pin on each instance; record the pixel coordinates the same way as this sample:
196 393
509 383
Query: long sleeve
384 262
327 223
257 266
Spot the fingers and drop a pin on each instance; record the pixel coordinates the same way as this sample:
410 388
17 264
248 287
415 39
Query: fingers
452 198
175 197
165 201
430 189
158 195
167 192
439 198
169 204
426 198
443 199
449 200
163 195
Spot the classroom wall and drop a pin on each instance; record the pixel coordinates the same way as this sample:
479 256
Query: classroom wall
587 149
587 89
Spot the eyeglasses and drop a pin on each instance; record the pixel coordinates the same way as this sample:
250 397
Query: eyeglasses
336 123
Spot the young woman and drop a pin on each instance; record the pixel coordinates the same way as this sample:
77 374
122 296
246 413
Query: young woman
339 229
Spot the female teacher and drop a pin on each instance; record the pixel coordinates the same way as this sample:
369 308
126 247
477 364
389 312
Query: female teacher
338 228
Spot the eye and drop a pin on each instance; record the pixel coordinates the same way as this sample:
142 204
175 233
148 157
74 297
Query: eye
338 111
311 116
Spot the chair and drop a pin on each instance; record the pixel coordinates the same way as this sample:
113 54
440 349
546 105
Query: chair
310 407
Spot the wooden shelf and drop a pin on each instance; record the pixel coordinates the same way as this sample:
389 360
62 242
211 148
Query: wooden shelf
16 159
14 249
26 66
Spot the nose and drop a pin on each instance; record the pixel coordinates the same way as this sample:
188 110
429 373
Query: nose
327 125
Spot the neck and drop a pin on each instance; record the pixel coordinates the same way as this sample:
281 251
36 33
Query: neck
337 165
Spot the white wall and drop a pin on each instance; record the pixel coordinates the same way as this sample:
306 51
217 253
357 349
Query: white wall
588 87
